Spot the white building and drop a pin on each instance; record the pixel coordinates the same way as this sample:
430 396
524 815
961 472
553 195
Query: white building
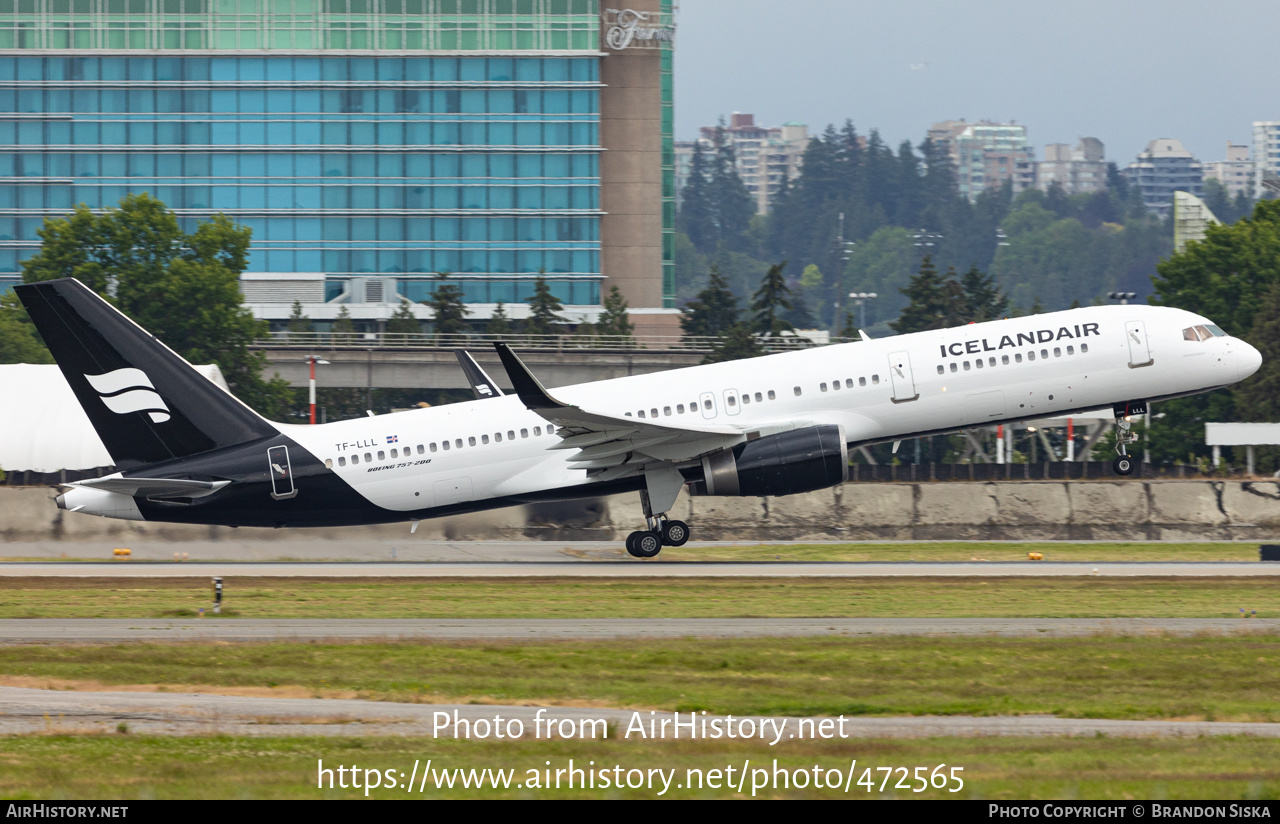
1235 173
1077 170
1266 156
763 156
986 154
1163 168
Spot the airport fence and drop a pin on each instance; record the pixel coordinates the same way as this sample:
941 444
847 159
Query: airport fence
543 343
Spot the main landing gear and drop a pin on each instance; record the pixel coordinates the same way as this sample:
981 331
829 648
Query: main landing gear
662 531
1125 435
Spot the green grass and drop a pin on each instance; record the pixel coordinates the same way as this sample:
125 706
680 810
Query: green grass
129 767
1218 678
970 550
585 598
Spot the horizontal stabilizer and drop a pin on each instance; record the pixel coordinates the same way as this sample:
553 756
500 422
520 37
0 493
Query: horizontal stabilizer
153 487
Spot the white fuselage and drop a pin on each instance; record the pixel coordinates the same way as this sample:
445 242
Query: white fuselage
878 390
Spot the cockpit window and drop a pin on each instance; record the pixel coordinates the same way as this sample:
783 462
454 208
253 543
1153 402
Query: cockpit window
1203 332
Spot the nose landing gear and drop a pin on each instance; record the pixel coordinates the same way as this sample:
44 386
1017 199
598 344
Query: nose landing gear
1125 435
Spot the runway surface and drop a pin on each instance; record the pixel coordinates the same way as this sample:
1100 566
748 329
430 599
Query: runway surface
39 711
103 630
632 568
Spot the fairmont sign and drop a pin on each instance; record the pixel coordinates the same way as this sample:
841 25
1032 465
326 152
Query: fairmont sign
627 28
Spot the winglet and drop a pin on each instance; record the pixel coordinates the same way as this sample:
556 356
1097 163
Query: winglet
481 383
530 390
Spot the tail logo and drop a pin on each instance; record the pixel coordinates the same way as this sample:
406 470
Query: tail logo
129 390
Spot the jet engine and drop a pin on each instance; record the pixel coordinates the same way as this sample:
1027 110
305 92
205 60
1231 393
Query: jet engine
801 460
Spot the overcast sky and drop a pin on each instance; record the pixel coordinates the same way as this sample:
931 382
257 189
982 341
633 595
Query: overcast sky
1124 71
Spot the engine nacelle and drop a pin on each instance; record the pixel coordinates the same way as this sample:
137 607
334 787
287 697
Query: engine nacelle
801 460
99 502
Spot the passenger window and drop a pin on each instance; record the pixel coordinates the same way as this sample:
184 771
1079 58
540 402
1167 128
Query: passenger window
1031 355
991 361
666 411
1057 353
551 430
355 459
746 399
484 439
940 369
1071 350
421 450
1044 354
1004 359
628 414
966 366
758 398
446 445
796 390
511 434
497 437
537 432
693 406
395 453
368 458
328 463
1084 347
731 400
342 462
653 413
954 368
875 379
382 456
524 433
835 384
978 363
1018 357
863 381
706 404
822 386
848 383
640 414
772 396
679 409
433 447
457 443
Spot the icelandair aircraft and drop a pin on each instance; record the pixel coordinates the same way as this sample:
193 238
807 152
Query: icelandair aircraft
189 452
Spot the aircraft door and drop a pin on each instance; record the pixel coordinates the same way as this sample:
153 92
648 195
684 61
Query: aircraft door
281 473
707 400
731 402
1135 331
904 382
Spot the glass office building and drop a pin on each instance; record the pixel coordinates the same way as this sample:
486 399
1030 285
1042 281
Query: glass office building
361 140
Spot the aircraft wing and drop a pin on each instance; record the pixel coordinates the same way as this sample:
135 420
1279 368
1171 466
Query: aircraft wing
153 487
610 443
481 383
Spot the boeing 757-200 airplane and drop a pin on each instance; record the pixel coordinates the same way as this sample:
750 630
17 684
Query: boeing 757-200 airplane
186 451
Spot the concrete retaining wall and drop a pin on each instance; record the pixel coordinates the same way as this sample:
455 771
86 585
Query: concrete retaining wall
1046 510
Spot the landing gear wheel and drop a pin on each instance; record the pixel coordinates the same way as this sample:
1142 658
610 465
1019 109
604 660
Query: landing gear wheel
1123 465
675 533
644 544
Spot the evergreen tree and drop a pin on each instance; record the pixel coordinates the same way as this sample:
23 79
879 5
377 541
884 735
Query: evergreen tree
1037 308
543 307
732 206
770 302
19 342
614 322
737 343
499 324
713 312
299 324
695 218
343 330
983 299
928 301
403 321
449 310
850 329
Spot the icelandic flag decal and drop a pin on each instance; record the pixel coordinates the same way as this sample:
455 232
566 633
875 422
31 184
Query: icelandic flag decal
393 439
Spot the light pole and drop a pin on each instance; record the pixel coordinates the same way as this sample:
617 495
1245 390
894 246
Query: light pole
312 360
862 298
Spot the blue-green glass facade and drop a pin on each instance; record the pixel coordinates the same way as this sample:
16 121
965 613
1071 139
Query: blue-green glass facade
404 166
